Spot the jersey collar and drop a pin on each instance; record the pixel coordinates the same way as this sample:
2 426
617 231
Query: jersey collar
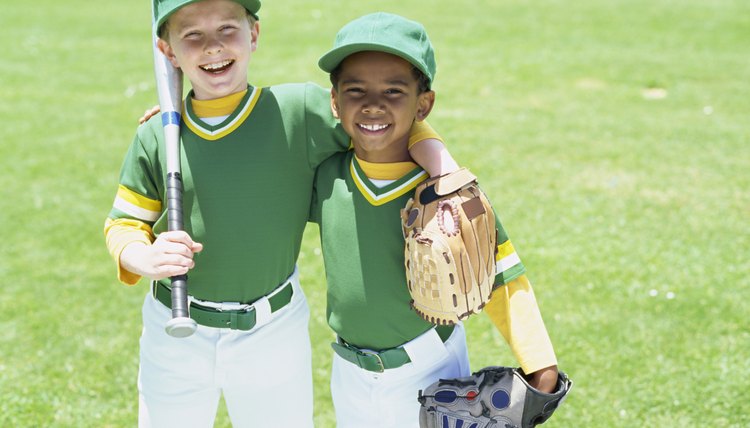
379 196
232 122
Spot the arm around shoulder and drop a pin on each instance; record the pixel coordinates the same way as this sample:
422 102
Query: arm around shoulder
427 149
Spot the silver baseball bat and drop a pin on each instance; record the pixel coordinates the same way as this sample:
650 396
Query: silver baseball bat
169 87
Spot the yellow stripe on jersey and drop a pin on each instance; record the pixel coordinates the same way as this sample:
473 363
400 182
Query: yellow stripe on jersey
136 205
504 250
378 200
506 257
228 128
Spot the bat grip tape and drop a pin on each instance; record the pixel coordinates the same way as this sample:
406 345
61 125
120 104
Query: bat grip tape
174 222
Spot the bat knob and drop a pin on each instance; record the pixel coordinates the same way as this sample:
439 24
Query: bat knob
181 327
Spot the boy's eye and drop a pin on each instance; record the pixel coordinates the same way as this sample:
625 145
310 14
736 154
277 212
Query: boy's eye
393 91
355 91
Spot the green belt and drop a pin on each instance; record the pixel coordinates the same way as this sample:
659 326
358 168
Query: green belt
243 319
382 360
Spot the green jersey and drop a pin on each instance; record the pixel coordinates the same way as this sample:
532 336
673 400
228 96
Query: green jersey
363 251
247 186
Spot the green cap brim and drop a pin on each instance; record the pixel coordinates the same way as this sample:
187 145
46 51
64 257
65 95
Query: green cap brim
333 58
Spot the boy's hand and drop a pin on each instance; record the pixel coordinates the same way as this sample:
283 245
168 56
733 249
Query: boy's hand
171 254
544 380
148 114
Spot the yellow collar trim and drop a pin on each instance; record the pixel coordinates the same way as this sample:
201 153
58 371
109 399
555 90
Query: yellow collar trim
378 199
385 171
227 129
219 107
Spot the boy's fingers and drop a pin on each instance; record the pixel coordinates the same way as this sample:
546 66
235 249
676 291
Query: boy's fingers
178 260
148 114
171 265
177 249
181 237
171 270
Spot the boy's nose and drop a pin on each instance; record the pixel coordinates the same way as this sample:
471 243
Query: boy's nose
213 47
372 106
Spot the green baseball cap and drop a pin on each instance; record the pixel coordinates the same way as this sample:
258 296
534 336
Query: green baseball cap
383 32
163 9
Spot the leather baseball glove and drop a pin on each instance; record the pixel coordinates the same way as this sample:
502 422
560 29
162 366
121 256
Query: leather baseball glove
497 397
451 242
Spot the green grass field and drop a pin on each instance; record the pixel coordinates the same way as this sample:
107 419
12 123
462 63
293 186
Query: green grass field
612 137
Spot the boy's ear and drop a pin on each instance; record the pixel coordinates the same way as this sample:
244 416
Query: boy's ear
254 34
167 51
334 104
424 105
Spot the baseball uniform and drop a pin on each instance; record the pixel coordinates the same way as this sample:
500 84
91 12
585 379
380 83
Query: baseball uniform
385 352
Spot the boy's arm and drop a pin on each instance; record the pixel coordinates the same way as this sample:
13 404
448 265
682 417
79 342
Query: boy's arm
137 253
119 233
427 149
137 206
514 311
171 254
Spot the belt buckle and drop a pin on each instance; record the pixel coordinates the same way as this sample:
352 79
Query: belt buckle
221 306
381 367
233 306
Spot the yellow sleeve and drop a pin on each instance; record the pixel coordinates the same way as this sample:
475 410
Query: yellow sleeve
421 130
121 232
514 311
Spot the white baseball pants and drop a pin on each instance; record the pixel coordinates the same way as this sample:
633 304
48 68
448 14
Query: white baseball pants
265 374
365 399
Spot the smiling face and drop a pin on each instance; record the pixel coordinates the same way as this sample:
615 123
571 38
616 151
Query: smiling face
212 42
377 100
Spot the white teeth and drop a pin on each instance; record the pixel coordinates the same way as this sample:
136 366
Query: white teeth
374 127
217 65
